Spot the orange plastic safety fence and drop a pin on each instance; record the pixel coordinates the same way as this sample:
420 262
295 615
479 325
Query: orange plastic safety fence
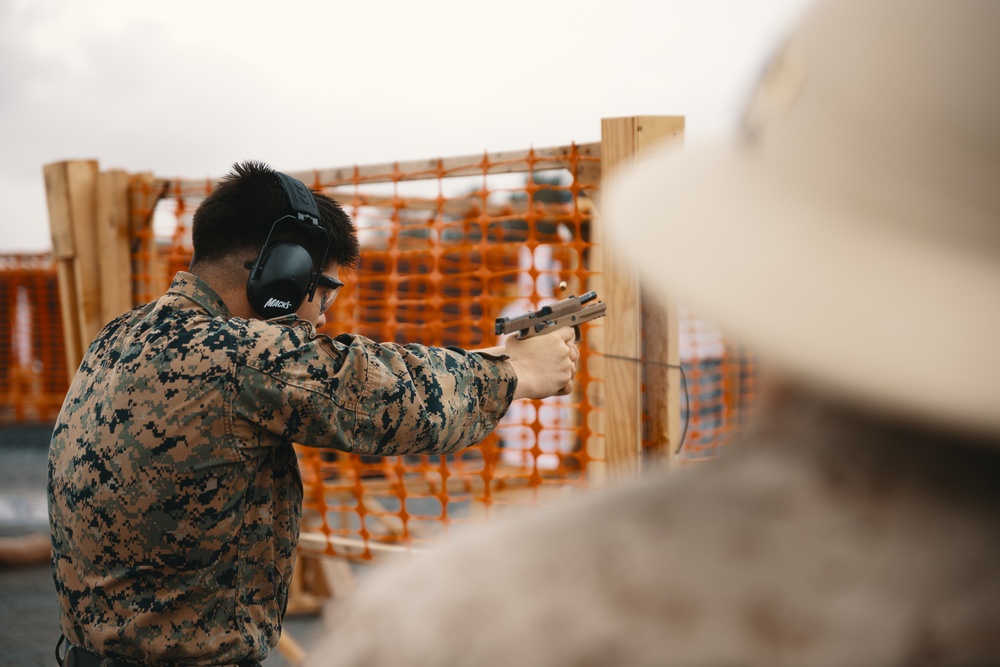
441 261
33 378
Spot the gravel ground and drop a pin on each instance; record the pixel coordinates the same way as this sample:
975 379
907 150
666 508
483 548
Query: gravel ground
29 619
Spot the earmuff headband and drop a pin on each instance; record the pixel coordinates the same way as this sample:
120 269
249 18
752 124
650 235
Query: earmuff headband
285 268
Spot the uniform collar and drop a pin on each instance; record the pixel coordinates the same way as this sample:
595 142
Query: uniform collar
194 288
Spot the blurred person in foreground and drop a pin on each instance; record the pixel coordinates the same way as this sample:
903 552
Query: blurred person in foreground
851 235
174 492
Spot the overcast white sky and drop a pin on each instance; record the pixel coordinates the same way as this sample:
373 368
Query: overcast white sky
187 87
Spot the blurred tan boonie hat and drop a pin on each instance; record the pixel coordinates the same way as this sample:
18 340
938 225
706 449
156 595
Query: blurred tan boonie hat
850 232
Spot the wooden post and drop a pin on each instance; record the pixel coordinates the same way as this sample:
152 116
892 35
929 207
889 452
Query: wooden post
145 190
662 378
112 220
70 190
621 140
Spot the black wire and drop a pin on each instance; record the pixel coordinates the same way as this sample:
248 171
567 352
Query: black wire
684 384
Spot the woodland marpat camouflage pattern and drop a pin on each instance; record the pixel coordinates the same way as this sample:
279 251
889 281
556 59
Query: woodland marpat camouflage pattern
174 491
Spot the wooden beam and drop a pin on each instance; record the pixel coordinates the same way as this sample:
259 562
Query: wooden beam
70 191
63 252
454 206
661 330
662 379
621 140
504 162
112 219
82 175
507 162
317 541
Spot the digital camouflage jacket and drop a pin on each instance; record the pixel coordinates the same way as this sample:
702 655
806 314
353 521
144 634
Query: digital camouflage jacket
174 491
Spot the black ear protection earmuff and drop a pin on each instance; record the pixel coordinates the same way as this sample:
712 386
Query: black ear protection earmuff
284 275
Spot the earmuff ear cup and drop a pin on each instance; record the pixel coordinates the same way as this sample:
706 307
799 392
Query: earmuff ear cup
280 280
283 275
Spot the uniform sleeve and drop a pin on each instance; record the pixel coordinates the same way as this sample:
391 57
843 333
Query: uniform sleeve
359 396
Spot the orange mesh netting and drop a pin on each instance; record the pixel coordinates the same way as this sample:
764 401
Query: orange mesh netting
442 259
718 387
33 378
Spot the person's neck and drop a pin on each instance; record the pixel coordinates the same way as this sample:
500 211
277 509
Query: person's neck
228 279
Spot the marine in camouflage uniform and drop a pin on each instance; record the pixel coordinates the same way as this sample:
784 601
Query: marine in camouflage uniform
174 491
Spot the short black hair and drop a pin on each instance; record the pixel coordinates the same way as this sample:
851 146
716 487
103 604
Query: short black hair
238 215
